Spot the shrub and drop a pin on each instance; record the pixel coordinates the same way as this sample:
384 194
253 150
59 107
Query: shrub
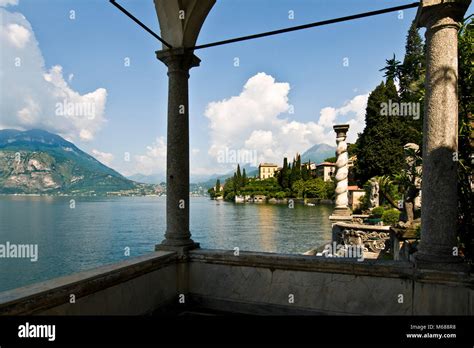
418 231
391 217
280 195
230 196
377 212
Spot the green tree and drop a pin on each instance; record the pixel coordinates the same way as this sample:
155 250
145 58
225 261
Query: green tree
305 172
235 183
238 178
229 189
413 68
331 159
392 69
373 141
299 188
379 148
295 173
412 80
244 178
466 141
283 178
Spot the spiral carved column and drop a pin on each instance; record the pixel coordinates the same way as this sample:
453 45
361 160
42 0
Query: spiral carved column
341 211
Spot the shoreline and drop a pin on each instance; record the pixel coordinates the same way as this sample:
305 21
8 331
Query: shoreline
285 201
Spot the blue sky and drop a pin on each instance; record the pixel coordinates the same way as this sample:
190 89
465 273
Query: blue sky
301 71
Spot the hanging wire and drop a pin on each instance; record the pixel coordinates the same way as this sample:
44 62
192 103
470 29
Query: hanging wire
274 32
136 20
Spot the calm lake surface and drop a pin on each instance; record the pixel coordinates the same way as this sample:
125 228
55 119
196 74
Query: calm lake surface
99 230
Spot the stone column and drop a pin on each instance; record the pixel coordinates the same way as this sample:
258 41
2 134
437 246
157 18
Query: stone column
178 237
341 211
440 128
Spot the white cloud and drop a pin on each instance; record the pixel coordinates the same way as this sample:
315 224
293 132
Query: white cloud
103 157
37 97
153 161
15 34
327 116
254 121
4 3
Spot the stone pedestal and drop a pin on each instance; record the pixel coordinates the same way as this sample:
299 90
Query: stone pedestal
178 236
440 131
341 211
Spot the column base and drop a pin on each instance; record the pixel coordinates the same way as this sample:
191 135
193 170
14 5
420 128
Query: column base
440 262
341 214
179 246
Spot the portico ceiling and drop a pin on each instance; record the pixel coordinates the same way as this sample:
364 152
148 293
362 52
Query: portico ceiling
181 20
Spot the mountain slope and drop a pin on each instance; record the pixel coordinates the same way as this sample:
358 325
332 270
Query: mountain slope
318 153
37 161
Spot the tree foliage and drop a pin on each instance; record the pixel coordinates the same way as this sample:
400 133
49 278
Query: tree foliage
466 123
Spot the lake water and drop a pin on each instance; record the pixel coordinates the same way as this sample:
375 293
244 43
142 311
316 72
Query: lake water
99 230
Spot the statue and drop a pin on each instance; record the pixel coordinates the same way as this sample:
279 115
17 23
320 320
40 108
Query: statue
410 180
374 193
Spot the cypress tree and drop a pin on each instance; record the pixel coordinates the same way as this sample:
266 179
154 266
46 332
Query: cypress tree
377 152
235 183
298 168
293 174
413 79
304 173
413 67
284 174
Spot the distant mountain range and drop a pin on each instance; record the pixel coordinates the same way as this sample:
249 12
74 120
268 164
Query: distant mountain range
316 154
37 161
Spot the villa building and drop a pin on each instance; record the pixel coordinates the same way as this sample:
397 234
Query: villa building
267 170
326 170
355 194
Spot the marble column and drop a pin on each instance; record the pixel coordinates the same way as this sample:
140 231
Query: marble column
440 131
341 211
178 237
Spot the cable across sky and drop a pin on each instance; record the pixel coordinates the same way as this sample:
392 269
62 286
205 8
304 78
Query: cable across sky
273 32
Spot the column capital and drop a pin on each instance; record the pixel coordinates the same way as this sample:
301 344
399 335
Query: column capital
178 59
433 13
341 129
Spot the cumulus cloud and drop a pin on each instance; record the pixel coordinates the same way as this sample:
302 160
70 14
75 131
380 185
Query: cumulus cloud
38 97
103 157
4 3
354 107
17 35
256 121
154 159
